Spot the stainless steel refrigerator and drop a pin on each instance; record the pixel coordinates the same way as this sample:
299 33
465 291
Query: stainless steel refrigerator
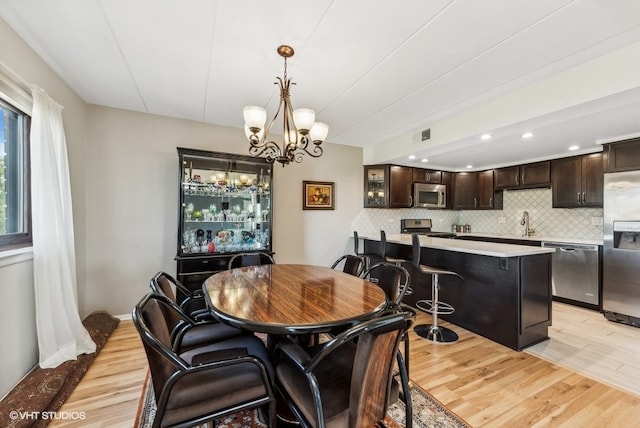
621 258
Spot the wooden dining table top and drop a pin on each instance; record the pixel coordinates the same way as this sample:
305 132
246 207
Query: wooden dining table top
291 298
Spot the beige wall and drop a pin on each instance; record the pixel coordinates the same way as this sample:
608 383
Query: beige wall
132 194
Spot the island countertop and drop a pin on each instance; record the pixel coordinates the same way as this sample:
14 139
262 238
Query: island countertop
472 247
533 238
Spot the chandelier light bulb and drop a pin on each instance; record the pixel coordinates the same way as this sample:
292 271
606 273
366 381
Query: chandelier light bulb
255 116
304 118
319 132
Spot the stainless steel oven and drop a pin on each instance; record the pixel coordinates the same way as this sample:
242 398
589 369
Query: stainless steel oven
429 195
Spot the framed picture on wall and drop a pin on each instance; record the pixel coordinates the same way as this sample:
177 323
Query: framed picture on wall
318 195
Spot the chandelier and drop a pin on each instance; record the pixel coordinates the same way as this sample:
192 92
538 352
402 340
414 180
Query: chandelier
301 133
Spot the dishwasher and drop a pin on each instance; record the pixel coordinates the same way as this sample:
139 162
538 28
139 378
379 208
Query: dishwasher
575 272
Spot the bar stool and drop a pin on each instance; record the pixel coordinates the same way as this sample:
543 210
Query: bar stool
357 252
393 260
434 306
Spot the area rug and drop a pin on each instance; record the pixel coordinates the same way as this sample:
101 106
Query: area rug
427 413
45 390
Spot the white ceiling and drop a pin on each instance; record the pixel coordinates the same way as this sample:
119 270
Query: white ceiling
377 71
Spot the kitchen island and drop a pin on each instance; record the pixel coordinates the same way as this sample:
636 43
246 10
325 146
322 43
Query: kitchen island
505 295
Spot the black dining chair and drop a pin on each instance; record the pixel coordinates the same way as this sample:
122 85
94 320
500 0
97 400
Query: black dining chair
394 281
190 301
250 259
353 265
205 383
186 333
347 381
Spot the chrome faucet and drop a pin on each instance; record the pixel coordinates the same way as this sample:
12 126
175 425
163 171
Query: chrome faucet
525 222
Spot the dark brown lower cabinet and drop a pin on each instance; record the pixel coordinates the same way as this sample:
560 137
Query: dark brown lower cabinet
507 300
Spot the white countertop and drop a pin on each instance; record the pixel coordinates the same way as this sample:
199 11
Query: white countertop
535 238
472 247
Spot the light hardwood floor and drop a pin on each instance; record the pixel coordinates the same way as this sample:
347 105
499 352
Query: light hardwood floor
486 384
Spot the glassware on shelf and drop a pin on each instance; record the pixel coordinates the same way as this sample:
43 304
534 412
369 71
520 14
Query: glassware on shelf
225 194
188 210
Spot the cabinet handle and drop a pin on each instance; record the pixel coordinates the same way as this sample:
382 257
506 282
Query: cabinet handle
515 179
475 202
523 177
579 199
491 202
427 177
584 198
410 201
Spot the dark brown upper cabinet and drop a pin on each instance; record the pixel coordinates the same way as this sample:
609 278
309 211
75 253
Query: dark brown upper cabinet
577 181
623 155
400 186
387 186
475 191
427 176
528 176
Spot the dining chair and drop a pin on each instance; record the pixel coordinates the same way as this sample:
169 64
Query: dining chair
250 259
186 333
353 265
205 384
347 381
394 281
190 301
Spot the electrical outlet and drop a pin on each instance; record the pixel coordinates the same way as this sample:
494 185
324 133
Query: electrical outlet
596 221
502 220
503 264
392 220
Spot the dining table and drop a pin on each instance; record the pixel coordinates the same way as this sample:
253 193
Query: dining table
291 299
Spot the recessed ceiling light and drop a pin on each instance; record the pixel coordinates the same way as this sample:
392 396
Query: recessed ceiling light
425 160
469 166
574 147
527 135
412 157
485 137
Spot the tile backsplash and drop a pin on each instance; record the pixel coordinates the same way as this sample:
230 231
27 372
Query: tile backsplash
546 221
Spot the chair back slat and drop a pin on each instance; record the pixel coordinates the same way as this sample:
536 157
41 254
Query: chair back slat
371 376
150 322
166 286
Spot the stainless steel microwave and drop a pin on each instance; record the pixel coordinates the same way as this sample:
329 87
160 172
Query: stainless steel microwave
429 195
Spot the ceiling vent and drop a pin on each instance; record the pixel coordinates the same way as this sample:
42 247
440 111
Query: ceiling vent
423 136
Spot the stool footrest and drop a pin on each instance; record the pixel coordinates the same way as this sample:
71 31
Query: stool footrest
430 307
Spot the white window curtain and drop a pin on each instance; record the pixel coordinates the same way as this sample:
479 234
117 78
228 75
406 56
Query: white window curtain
61 335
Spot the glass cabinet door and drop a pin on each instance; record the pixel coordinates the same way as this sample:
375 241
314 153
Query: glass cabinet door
225 203
376 192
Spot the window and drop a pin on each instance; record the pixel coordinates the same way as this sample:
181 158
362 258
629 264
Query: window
15 197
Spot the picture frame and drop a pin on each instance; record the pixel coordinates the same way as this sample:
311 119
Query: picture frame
318 195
